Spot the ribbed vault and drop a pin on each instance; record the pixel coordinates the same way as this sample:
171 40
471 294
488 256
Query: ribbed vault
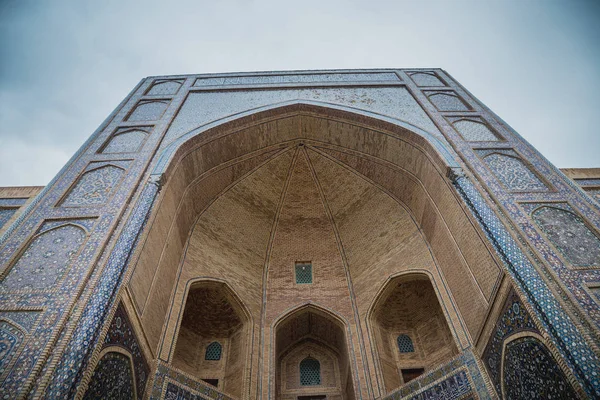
361 205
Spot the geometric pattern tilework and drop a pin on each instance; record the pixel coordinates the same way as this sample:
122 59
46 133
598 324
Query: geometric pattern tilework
530 372
25 319
300 78
458 379
10 339
474 130
511 171
569 234
310 372
112 379
68 373
162 88
405 344
149 110
13 202
180 386
514 318
94 187
447 101
571 344
594 193
175 392
6 214
46 259
126 140
213 351
304 273
121 334
588 182
426 79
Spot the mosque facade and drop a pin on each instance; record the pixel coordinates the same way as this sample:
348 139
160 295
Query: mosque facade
303 235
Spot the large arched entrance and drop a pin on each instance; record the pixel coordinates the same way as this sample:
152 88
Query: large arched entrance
302 204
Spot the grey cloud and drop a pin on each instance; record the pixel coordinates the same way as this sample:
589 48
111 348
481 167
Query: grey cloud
66 64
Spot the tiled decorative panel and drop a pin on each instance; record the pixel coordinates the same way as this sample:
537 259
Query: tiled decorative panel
126 140
571 344
447 101
6 214
121 334
96 185
511 171
10 339
394 102
594 193
514 318
474 130
25 319
174 392
8 207
531 372
458 379
72 365
171 382
298 78
46 259
112 379
165 87
569 234
426 79
149 110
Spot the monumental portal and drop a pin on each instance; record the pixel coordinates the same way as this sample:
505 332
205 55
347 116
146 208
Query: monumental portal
340 235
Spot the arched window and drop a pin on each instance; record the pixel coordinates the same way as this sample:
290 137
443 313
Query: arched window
310 372
213 351
405 344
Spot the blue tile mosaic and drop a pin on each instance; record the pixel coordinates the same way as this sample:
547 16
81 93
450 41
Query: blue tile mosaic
120 333
514 318
447 101
13 202
298 78
11 338
530 372
165 87
25 319
6 214
572 346
174 392
170 380
112 379
149 110
46 259
474 129
588 182
70 369
456 379
126 140
94 187
511 171
569 234
426 79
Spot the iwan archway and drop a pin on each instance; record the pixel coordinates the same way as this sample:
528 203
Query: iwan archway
348 198
366 234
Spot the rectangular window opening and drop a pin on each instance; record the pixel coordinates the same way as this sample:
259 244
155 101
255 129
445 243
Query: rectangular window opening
304 272
313 397
411 373
214 382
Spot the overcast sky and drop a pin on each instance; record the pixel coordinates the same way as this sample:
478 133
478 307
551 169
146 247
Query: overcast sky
65 65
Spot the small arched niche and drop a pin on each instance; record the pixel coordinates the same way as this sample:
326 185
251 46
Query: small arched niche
410 331
212 337
312 359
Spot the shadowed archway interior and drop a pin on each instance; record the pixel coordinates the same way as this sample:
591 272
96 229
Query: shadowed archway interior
356 200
